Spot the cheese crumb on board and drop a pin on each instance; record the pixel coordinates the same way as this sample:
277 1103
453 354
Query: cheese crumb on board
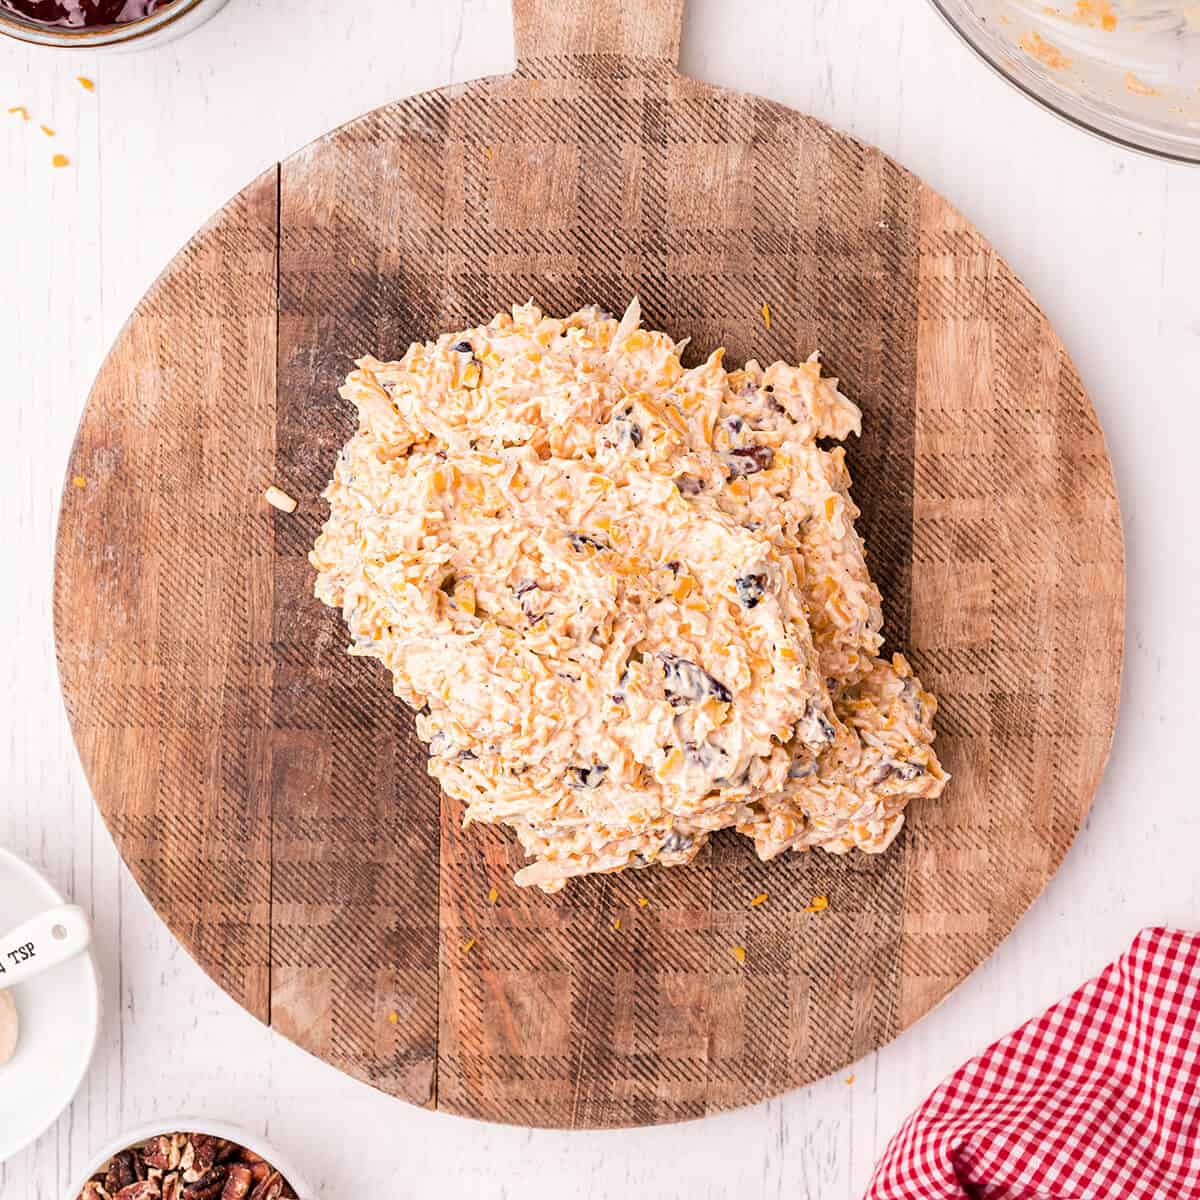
279 499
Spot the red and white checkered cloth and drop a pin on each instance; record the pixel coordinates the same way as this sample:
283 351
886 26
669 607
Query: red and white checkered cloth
1099 1097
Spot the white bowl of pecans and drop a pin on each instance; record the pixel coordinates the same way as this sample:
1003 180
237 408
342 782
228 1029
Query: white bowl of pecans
187 1158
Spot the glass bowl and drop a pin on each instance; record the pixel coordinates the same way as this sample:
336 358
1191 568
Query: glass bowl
173 19
1127 70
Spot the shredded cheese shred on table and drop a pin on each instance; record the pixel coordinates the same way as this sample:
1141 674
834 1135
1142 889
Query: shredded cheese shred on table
625 598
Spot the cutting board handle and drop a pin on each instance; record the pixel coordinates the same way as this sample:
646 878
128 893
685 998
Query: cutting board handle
635 29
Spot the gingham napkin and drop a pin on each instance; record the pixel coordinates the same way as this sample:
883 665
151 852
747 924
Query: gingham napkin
1099 1097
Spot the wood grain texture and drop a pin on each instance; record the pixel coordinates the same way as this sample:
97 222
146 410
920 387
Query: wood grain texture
210 698
165 622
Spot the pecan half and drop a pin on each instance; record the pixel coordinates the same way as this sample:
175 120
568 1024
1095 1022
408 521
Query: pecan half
161 1152
120 1172
271 1188
238 1184
209 1186
210 1150
144 1189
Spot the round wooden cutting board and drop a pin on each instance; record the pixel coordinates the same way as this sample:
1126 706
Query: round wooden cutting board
268 792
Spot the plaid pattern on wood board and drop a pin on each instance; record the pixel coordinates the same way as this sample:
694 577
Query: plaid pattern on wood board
268 792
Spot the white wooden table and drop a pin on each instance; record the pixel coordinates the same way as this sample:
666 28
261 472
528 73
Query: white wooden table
1108 242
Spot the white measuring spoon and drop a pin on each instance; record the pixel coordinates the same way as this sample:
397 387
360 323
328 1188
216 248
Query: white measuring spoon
43 942
35 946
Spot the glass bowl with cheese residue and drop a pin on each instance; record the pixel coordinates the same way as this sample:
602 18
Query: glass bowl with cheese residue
1126 70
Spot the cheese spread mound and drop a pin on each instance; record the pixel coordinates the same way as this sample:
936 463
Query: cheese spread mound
625 598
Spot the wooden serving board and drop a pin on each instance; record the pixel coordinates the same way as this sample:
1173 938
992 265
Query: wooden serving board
269 794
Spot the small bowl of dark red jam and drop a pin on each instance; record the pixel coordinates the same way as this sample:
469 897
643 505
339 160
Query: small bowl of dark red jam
94 23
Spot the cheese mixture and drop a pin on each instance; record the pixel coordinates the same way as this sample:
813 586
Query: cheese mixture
626 599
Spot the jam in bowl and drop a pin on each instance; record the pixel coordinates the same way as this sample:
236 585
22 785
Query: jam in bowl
103 24
81 14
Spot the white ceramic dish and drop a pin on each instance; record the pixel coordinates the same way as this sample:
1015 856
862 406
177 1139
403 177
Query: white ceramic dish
60 1020
163 26
223 1129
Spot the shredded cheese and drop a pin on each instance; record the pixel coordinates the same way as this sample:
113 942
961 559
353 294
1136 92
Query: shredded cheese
626 597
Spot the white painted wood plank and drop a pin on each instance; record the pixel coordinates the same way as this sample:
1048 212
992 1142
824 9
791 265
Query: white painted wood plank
1106 240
